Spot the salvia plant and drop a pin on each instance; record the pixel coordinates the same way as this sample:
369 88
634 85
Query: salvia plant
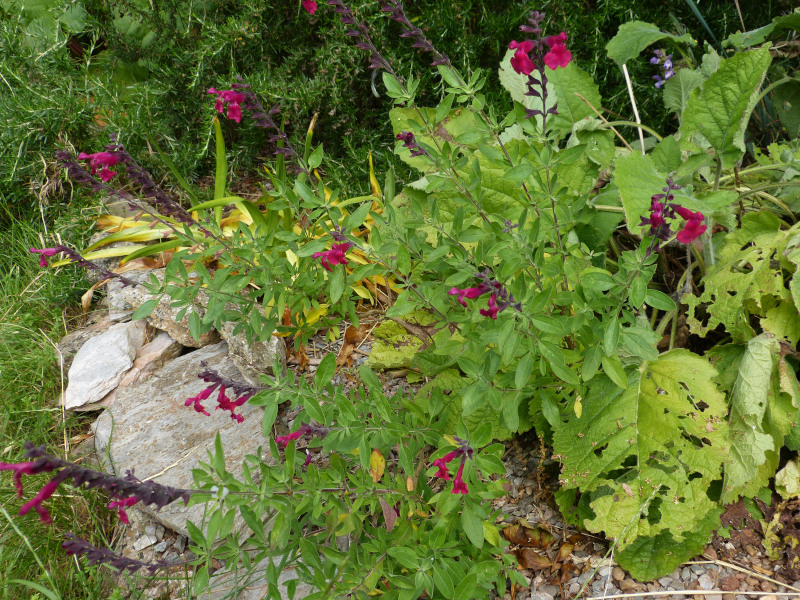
560 261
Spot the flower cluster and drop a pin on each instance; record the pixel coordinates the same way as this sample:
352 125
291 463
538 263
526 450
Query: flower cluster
665 61
45 252
530 56
358 31
305 430
129 489
488 285
463 451
75 545
101 160
410 142
663 209
232 99
335 256
310 6
241 391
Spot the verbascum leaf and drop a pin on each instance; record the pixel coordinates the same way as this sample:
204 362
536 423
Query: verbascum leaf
720 111
749 443
635 36
647 454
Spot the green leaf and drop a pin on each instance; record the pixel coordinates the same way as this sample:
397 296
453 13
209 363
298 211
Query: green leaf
648 558
611 336
403 260
357 218
787 105
325 371
443 581
337 281
523 370
221 176
405 556
613 368
472 526
571 109
648 453
467 588
749 443
678 89
38 587
719 113
659 300
635 36
145 309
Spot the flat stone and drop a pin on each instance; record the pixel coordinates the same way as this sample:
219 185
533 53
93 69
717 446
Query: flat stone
124 299
102 362
149 428
255 586
618 574
144 542
160 531
541 596
98 322
150 357
180 544
160 546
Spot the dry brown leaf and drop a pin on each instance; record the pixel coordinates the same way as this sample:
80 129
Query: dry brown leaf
523 534
389 514
529 559
564 552
353 336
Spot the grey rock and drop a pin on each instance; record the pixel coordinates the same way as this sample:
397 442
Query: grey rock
150 530
252 358
541 596
584 577
164 316
102 362
686 573
605 571
98 322
180 544
706 582
255 585
110 263
171 556
160 531
713 596
160 546
698 569
144 542
149 428
574 588
665 581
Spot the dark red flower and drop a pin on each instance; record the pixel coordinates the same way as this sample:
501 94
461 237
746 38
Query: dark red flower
334 256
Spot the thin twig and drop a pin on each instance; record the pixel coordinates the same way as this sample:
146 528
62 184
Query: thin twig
728 565
633 102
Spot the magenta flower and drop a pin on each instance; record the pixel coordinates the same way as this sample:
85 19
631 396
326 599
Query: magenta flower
225 403
233 99
284 440
693 229
19 469
310 6
470 293
120 505
334 256
42 495
441 463
521 62
196 400
43 252
101 160
492 309
459 487
558 56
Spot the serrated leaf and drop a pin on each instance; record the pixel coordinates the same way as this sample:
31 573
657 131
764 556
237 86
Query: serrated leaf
665 436
571 109
678 89
635 36
721 110
749 443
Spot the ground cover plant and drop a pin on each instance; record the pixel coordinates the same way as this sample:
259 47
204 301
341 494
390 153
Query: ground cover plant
498 254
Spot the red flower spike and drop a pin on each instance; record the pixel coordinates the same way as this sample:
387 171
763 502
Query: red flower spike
492 309
233 99
42 495
441 463
310 6
43 252
101 160
334 256
558 56
19 470
691 231
467 293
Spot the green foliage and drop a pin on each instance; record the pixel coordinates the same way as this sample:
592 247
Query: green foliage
635 36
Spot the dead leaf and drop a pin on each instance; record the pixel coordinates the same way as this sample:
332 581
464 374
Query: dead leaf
389 514
627 489
523 534
529 559
353 336
377 465
564 552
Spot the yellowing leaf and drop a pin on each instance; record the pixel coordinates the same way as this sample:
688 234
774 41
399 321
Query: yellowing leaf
373 181
578 408
314 315
360 290
377 465
409 484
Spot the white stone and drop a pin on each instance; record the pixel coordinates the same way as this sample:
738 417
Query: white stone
102 362
255 585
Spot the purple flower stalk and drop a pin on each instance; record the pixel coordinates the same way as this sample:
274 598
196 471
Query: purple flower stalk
75 545
335 256
410 142
396 13
358 31
661 209
488 285
147 492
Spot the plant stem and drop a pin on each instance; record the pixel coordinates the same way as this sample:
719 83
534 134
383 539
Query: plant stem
633 103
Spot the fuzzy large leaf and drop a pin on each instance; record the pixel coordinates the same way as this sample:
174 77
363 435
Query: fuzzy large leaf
749 442
635 36
572 109
718 113
648 454
744 281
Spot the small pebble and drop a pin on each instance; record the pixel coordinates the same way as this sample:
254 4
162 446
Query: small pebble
583 578
713 596
542 596
574 588
604 571
171 556
686 573
144 542
160 532
150 530
618 574
706 582
699 569
665 581
160 546
180 544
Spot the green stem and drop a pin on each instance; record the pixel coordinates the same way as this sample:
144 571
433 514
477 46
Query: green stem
757 169
649 130
772 86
